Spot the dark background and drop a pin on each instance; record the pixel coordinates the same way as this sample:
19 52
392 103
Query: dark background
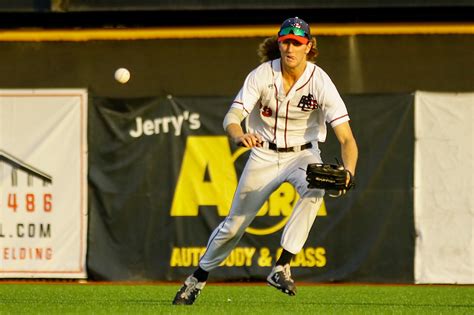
84 13
369 63
217 67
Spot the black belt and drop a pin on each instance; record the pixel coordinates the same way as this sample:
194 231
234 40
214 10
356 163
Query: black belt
272 146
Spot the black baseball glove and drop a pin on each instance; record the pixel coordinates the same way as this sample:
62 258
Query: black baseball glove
330 177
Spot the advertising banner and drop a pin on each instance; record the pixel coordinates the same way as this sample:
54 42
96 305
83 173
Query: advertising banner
163 173
444 186
43 183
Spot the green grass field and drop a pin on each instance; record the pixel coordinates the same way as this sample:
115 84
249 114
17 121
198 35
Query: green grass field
235 299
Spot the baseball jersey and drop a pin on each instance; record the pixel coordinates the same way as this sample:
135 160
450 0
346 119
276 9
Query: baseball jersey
295 118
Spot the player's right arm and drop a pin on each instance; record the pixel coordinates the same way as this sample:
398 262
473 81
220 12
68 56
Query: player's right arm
243 104
234 130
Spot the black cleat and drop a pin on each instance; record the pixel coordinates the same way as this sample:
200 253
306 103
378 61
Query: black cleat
189 291
280 278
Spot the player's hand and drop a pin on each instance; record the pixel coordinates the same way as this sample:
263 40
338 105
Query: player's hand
349 177
249 140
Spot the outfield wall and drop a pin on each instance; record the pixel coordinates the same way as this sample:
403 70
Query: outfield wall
158 193
384 59
162 174
140 225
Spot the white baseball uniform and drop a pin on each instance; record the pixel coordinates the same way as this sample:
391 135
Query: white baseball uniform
289 122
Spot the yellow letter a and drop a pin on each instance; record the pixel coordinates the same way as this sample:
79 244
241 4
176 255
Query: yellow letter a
196 188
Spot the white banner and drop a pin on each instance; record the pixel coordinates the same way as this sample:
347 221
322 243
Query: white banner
444 187
43 183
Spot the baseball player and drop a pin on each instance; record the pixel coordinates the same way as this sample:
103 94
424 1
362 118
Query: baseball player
286 102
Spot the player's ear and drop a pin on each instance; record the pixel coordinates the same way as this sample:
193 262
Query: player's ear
309 45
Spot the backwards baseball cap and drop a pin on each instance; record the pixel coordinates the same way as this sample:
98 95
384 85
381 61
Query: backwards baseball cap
294 28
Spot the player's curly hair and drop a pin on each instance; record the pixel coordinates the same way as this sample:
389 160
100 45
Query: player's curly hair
268 50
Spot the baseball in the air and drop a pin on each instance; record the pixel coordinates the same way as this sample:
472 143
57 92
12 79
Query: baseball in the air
122 75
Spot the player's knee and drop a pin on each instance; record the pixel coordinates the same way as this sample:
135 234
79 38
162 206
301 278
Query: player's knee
234 226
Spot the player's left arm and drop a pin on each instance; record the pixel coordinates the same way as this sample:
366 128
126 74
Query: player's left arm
349 150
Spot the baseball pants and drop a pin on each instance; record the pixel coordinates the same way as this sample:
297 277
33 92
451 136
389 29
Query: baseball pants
264 172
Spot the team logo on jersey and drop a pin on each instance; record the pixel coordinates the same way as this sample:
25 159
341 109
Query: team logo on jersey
266 111
308 103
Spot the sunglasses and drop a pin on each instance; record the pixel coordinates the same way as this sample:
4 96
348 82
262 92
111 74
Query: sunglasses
291 29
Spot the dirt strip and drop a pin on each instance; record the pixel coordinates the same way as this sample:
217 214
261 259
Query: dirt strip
174 283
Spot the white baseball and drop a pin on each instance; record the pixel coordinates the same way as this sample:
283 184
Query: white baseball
122 75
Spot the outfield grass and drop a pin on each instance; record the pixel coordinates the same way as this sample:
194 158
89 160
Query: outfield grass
234 299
